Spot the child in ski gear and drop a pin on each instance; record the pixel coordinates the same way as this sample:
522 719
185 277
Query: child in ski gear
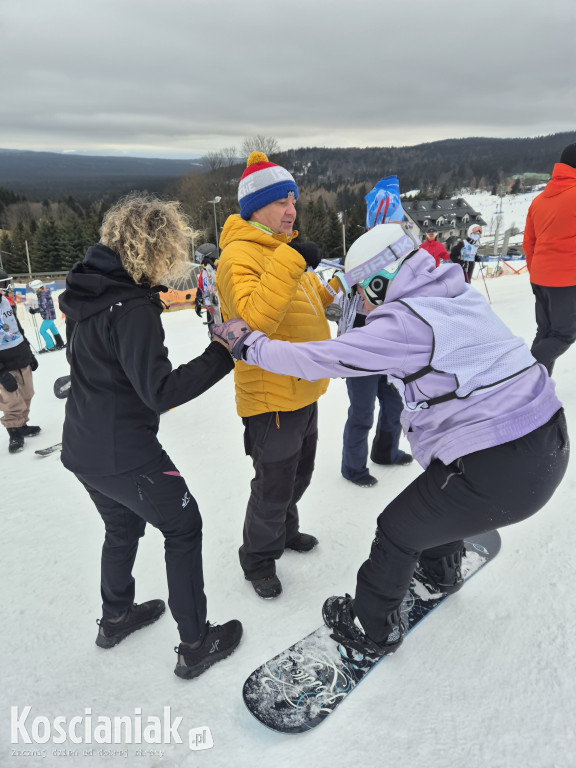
476 406
550 248
48 329
263 277
464 252
435 248
121 380
16 365
206 255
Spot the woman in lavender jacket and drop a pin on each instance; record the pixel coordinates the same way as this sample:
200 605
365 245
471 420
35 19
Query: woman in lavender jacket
481 416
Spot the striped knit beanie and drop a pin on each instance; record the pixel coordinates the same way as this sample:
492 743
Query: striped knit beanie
263 183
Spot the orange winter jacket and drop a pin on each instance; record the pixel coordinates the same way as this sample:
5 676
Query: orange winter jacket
550 232
265 282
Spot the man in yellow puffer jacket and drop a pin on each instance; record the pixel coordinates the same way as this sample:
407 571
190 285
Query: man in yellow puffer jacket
262 277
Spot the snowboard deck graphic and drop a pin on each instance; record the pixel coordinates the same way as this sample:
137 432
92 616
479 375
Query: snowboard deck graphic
213 293
297 689
48 451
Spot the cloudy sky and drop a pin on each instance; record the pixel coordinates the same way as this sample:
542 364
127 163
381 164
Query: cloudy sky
184 77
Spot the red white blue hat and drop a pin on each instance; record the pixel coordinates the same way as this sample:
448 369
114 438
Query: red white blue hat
263 183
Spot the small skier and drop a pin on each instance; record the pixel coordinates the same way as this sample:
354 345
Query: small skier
121 380
48 329
206 255
16 365
465 251
481 416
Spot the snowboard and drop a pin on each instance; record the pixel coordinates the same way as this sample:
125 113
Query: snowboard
213 293
62 387
297 689
47 451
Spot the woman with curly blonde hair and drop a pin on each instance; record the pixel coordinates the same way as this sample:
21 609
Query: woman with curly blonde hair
121 380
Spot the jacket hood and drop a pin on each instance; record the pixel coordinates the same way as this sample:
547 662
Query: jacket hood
419 276
235 228
96 283
563 178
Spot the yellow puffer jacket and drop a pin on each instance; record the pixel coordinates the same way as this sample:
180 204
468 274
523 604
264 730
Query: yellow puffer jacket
264 281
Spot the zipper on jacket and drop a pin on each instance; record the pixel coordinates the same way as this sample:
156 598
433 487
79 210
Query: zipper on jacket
140 494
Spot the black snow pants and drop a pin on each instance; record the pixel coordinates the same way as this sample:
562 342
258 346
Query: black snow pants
556 322
477 493
283 448
155 493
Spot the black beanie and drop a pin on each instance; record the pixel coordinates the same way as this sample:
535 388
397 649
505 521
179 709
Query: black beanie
568 156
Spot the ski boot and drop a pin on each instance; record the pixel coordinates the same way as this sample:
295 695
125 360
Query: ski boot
16 442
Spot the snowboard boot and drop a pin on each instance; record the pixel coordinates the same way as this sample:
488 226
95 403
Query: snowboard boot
113 631
16 442
268 587
219 641
338 614
59 342
442 574
30 431
304 542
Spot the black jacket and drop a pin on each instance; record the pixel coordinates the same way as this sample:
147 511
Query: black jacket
122 378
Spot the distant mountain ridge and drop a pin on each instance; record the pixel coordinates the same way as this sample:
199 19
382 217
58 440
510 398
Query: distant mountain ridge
40 175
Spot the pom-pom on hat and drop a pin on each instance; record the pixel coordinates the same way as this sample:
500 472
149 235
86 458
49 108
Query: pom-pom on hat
263 183
568 155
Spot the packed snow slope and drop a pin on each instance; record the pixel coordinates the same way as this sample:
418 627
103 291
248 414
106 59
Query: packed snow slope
488 680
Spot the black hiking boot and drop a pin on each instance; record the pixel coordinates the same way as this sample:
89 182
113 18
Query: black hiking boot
219 641
113 631
268 587
366 481
443 574
30 431
304 542
338 614
16 442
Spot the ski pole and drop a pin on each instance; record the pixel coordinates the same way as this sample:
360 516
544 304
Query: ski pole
37 334
484 280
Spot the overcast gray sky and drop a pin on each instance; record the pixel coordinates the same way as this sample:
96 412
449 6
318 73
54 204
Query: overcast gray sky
184 77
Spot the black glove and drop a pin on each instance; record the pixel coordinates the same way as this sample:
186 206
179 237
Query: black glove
309 251
8 381
198 303
33 310
34 363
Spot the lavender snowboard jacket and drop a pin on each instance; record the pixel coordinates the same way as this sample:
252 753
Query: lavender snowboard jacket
398 342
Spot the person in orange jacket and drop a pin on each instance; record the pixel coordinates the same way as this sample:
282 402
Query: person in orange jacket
550 248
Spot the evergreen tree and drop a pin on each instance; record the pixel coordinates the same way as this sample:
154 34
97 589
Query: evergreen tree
73 241
46 251
20 236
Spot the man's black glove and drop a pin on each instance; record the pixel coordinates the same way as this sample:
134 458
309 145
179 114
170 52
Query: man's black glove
8 381
33 310
34 363
309 251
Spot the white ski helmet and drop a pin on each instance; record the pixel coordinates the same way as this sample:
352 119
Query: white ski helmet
374 259
36 285
474 229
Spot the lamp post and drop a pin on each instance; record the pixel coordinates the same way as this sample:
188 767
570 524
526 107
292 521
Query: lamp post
216 200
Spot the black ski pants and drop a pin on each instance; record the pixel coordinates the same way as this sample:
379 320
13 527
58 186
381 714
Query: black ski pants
555 321
283 448
155 493
477 493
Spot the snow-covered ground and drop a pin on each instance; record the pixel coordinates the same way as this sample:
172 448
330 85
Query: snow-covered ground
510 209
488 680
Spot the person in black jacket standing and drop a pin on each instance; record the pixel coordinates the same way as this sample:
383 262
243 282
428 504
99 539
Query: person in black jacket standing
121 380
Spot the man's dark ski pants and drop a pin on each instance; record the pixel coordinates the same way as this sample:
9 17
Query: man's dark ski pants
283 448
480 492
556 322
154 493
